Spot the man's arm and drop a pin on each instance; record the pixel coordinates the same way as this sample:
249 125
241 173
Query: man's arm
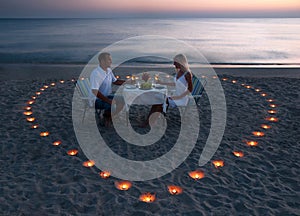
101 96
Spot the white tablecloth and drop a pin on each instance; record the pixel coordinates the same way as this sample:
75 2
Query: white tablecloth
144 97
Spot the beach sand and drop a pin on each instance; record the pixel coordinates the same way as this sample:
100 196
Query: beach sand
38 178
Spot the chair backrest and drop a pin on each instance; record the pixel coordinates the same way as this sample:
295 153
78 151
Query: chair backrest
84 87
198 87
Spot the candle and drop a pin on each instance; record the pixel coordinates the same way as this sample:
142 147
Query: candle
104 174
264 126
44 134
147 197
258 133
272 119
30 102
57 143
252 143
27 113
197 174
88 163
34 126
272 111
218 163
174 190
30 119
72 152
123 185
238 154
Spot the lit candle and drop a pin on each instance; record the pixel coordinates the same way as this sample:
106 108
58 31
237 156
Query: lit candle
257 90
44 134
263 94
88 163
248 87
270 100
218 163
238 154
104 174
34 126
234 81
52 84
147 197
224 79
30 102
214 77
72 152
27 108
123 185
57 143
127 77
45 86
243 84
252 143
273 105
174 190
27 113
33 97
42 89
62 81
117 77
38 93
197 174
258 133
264 126
272 111
30 119
272 119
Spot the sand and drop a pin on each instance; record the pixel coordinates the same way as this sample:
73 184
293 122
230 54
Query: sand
38 178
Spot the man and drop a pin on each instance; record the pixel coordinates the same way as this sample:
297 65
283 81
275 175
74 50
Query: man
101 80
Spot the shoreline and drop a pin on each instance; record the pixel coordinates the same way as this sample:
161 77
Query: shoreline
69 71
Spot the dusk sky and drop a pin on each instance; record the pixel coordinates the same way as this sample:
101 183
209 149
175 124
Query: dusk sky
113 8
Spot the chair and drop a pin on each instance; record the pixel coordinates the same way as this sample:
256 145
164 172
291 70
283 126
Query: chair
198 89
84 87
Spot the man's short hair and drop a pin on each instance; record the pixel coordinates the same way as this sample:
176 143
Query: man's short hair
103 56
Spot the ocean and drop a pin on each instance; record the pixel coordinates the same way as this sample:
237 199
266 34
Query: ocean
221 41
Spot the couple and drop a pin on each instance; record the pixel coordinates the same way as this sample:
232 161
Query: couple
102 78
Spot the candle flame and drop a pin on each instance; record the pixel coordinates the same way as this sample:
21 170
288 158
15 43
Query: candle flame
248 87
197 174
273 105
174 190
264 126
88 163
27 108
272 119
224 79
42 89
57 143
30 102
218 163
52 84
34 126
252 143
105 174
272 111
27 113
62 81
44 134
258 133
147 197
238 154
30 119
234 81
38 93
123 185
33 97
263 94
257 90
72 152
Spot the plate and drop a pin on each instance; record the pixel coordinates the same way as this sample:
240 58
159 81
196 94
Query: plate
146 88
130 87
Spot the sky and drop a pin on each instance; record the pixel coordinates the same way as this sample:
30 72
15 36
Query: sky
174 8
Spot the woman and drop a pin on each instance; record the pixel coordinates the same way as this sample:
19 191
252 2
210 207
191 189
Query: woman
183 85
